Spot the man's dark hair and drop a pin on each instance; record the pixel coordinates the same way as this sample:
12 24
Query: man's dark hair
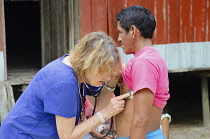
138 16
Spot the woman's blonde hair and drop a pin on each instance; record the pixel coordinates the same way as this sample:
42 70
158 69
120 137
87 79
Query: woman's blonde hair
97 52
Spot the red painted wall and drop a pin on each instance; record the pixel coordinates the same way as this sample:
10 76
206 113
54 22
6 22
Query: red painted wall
177 20
1 25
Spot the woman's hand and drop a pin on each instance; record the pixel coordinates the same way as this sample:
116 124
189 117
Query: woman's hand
115 106
116 76
114 80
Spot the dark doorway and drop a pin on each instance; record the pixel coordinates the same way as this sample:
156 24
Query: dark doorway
23 35
185 103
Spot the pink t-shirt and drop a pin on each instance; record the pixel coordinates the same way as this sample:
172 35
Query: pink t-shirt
148 70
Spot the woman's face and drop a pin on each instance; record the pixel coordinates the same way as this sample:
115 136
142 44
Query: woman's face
96 79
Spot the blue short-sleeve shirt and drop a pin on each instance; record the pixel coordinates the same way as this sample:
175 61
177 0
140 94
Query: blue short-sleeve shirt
53 91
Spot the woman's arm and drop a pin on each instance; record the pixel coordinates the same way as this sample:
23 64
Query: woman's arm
106 93
66 126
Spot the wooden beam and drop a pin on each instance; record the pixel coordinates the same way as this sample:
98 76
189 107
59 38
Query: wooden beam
201 73
6 101
3 65
205 101
45 31
76 25
205 73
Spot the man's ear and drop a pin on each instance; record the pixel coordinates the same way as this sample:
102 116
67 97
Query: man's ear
131 31
134 31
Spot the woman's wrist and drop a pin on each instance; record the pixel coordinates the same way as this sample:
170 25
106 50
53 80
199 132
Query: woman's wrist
114 80
106 115
101 117
110 87
111 83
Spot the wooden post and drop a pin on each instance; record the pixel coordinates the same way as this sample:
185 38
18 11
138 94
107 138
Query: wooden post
205 101
6 100
3 66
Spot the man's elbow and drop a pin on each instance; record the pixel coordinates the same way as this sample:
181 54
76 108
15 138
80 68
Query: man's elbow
139 123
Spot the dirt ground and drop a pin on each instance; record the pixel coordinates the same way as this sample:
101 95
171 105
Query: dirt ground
189 131
185 107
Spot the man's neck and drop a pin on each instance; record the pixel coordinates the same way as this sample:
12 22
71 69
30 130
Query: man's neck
142 43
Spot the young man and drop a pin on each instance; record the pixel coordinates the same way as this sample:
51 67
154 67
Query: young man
146 75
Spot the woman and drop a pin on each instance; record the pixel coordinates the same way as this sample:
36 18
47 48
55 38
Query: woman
51 105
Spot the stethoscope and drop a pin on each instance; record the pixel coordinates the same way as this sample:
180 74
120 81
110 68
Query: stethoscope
95 98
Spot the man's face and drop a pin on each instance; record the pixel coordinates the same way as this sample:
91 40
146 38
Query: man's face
127 44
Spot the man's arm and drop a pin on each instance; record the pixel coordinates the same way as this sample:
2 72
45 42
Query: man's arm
142 103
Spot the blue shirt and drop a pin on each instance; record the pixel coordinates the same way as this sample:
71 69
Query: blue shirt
53 91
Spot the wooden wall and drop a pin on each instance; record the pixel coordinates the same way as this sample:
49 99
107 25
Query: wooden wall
1 25
177 20
59 28
182 34
3 75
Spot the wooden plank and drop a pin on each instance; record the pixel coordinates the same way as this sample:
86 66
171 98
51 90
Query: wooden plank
187 70
58 30
149 4
113 10
45 31
172 58
160 14
206 54
10 97
173 21
124 3
207 20
201 73
162 50
54 26
21 0
130 2
205 101
76 25
72 23
15 82
1 26
3 65
6 101
99 18
3 100
185 21
199 20
19 77
198 54
85 17
62 14
189 56
66 21
185 55
166 20
70 19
